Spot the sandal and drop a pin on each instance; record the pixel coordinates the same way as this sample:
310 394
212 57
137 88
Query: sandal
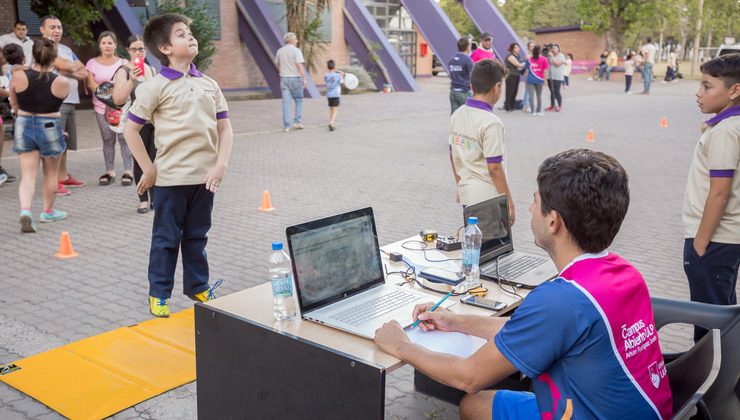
106 179
126 180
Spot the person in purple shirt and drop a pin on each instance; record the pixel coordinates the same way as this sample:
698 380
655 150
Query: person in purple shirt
459 67
587 339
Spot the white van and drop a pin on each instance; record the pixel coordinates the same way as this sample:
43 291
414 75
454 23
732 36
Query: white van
728 49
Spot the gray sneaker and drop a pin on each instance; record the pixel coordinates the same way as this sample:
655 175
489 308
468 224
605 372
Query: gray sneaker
27 224
3 178
298 126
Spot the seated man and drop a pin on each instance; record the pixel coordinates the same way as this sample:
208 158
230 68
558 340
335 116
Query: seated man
587 339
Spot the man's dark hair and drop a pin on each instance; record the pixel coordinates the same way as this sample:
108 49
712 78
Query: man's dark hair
485 75
649 40
20 22
725 67
590 191
158 30
13 54
43 20
331 65
463 44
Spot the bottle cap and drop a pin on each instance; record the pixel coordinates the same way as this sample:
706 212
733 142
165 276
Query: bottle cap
472 220
277 246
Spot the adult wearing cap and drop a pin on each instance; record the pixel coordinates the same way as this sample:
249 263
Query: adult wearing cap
484 51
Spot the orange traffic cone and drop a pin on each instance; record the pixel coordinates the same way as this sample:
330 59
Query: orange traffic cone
664 122
266 202
590 137
65 247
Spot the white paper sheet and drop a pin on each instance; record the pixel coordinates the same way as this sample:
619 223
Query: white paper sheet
446 342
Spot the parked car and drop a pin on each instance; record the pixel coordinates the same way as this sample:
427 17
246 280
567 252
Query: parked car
437 66
728 49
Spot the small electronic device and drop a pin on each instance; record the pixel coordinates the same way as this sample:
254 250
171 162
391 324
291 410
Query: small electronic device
138 62
438 275
490 304
448 243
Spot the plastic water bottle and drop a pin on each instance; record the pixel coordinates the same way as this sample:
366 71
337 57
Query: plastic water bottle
281 277
472 240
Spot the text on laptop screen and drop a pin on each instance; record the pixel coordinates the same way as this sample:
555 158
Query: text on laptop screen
335 259
493 222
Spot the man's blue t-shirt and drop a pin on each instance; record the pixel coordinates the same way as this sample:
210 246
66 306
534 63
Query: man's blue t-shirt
460 67
333 81
588 342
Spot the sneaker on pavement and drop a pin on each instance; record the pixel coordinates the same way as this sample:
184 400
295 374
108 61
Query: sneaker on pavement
3 178
549 108
27 224
10 178
159 307
558 109
73 182
61 190
206 295
298 126
286 129
53 216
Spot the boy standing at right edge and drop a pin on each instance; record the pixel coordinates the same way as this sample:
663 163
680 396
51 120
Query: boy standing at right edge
193 141
711 210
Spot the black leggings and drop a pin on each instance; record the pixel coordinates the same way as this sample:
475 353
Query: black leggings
512 86
555 95
147 136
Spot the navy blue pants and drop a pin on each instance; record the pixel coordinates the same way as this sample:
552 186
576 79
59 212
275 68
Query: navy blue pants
713 276
182 218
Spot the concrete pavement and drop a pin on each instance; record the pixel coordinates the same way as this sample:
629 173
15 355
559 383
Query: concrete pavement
389 151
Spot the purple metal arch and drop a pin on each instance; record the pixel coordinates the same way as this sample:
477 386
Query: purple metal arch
361 31
436 27
122 20
263 38
488 19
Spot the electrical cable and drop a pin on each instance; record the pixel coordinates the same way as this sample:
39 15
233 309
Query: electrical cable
501 285
423 249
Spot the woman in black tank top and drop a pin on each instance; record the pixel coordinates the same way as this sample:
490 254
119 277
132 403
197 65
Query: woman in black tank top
125 81
36 95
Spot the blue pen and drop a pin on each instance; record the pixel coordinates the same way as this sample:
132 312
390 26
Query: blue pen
436 305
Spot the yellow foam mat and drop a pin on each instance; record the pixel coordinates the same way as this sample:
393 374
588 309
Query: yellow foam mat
101 375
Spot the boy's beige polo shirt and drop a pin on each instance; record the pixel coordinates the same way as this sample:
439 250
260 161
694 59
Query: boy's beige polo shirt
716 155
183 109
476 139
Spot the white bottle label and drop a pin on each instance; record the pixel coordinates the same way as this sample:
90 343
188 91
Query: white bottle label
283 286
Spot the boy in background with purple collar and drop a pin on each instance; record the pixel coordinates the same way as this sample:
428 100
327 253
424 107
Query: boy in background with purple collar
477 140
193 142
711 209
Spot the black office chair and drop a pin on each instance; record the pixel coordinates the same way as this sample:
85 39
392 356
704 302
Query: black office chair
692 374
722 399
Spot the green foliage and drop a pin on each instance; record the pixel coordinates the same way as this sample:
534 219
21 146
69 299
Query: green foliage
459 17
305 20
525 15
76 15
203 27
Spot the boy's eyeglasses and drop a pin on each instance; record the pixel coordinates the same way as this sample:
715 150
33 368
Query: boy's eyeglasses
141 49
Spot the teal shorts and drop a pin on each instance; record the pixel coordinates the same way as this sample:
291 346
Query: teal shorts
515 405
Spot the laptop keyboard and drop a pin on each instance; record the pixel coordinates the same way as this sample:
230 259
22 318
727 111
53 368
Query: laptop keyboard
514 267
374 308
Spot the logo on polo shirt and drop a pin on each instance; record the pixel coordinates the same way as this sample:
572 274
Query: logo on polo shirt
656 371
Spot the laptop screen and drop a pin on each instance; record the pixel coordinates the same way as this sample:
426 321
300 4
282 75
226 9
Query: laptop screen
334 258
493 221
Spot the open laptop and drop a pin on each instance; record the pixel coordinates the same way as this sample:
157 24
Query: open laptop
339 275
516 268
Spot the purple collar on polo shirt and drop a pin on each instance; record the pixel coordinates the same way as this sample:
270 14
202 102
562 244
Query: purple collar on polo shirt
732 111
173 74
478 104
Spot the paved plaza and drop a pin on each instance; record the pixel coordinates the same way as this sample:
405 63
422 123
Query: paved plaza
389 152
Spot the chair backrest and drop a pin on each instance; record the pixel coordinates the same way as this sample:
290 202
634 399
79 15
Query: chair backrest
692 374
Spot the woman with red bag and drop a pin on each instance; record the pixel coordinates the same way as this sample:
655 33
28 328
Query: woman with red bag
102 68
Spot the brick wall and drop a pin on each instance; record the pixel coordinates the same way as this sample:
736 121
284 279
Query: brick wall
423 64
7 16
233 67
584 45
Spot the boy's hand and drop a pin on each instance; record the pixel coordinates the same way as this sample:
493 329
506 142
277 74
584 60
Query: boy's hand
700 247
146 181
214 177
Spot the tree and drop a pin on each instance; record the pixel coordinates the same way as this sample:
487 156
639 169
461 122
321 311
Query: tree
305 20
611 16
525 15
203 27
459 17
76 15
